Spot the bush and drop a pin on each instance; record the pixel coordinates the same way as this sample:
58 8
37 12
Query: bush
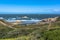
52 35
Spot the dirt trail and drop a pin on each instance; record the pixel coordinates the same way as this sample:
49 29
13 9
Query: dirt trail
6 25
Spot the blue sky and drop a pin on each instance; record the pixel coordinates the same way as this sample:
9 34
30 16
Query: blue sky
30 6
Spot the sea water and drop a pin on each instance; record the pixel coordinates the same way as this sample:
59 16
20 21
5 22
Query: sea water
26 18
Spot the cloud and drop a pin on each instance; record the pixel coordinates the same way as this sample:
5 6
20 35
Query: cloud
56 10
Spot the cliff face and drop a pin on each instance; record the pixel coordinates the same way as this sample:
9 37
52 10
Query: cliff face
51 19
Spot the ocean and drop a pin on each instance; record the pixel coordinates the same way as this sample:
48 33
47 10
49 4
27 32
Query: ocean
28 16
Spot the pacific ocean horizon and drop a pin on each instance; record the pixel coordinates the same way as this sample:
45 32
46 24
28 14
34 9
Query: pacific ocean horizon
30 16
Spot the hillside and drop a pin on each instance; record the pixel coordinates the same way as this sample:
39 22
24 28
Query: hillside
49 31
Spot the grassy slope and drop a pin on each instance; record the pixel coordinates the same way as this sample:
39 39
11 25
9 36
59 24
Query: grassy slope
29 32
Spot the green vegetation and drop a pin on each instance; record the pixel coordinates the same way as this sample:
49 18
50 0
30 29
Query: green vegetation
58 19
52 35
31 32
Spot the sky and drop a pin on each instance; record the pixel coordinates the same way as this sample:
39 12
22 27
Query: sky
30 6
